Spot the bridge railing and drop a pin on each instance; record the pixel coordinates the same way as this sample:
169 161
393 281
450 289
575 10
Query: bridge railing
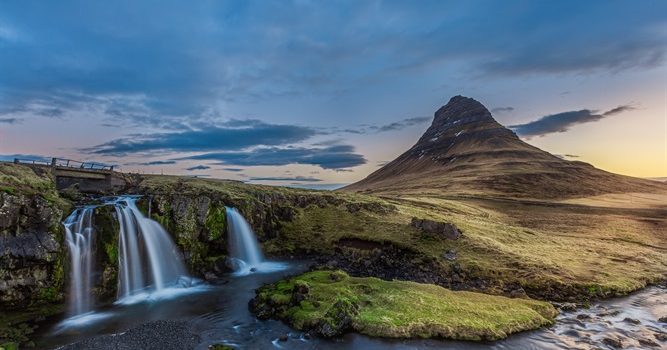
30 161
69 163
65 163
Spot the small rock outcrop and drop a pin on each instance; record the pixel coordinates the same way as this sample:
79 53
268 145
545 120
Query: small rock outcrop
441 229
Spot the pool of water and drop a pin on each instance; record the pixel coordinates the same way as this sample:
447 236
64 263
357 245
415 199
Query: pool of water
218 313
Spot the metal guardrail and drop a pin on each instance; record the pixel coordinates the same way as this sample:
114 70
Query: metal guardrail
66 163
69 163
30 161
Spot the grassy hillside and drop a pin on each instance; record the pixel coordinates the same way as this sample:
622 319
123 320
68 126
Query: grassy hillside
548 250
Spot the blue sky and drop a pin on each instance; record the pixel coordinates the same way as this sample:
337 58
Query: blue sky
324 91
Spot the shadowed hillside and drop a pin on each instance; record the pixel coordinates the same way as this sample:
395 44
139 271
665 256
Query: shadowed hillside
466 152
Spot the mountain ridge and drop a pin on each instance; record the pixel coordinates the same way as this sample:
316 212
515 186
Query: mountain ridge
466 151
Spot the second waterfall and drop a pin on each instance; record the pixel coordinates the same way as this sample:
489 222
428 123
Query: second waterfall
148 258
244 249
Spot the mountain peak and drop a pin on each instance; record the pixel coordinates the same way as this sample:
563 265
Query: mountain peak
466 151
463 115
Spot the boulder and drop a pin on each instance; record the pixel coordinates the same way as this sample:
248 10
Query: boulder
441 229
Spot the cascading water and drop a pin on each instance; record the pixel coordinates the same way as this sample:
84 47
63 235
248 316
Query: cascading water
244 249
148 260
79 237
149 263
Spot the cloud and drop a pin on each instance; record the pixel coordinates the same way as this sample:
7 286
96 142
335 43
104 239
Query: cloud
230 136
155 162
502 110
333 157
121 67
9 120
401 124
618 110
562 122
198 167
279 178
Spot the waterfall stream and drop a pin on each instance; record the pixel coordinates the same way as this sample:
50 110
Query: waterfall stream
244 249
79 237
148 259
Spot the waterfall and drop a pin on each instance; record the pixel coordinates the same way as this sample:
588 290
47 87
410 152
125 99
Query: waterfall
244 249
79 237
148 259
149 263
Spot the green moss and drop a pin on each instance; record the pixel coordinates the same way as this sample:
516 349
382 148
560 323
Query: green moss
332 302
59 273
219 347
49 294
216 222
112 251
7 189
16 326
9 346
197 252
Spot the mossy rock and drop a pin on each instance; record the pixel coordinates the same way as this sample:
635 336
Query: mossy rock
331 303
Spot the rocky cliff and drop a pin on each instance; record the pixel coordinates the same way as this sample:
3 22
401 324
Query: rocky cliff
32 257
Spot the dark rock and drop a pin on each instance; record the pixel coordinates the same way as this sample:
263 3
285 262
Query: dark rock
613 342
663 319
518 293
567 306
609 313
456 268
301 287
442 229
631 320
297 298
450 255
223 265
583 317
661 336
335 276
648 343
283 337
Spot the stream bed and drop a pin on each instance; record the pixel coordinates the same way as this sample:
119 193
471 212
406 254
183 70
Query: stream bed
217 313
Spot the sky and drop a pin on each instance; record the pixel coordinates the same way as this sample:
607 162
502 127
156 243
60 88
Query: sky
322 93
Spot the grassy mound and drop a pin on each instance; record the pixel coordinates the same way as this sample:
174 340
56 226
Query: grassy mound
331 303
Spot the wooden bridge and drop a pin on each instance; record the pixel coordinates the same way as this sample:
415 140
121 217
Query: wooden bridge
85 176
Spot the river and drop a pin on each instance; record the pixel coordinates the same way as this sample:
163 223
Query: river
217 313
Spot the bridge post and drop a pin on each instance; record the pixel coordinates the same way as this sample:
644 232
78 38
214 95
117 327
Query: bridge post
16 161
53 162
